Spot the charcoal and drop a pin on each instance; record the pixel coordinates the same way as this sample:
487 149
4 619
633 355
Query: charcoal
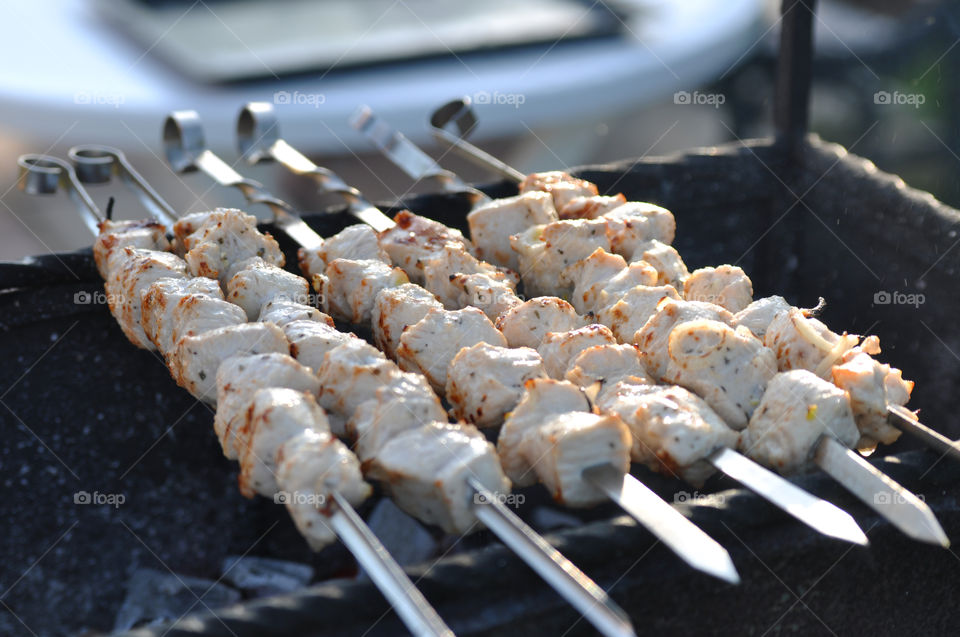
156 596
262 576
403 537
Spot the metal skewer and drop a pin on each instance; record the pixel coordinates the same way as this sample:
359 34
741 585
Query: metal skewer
698 549
460 114
259 138
44 175
904 420
39 175
680 535
820 515
402 152
550 564
581 596
644 505
95 164
186 151
879 491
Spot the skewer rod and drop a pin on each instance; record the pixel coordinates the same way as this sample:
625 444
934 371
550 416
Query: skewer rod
406 599
568 580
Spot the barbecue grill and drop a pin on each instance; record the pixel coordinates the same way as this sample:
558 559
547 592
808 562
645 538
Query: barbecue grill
843 229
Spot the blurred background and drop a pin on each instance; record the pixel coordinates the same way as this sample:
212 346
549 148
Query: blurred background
556 83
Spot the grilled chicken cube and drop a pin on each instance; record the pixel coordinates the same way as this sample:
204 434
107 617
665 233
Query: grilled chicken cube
275 416
727 286
563 187
452 260
115 235
727 367
797 409
426 470
757 316
311 340
654 337
600 368
238 378
282 312
567 444
671 270
415 239
526 324
493 223
311 467
542 399
603 278
673 430
632 225
549 438
545 251
406 402
574 239
357 242
195 314
187 225
196 359
485 381
629 314
350 374
138 271
872 387
591 206
227 237
492 295
350 287
558 349
396 308
802 342
429 345
158 301
259 282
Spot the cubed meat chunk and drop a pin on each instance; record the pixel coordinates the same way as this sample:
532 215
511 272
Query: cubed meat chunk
526 324
727 367
727 286
432 343
797 409
485 381
493 223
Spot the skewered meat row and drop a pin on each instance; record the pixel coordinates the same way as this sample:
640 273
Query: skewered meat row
695 363
284 441
279 369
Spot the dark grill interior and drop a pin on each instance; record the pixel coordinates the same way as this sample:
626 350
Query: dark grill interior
101 403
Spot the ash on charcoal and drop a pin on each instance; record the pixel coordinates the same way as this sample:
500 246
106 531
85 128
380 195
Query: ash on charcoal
404 538
263 576
155 596
547 519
